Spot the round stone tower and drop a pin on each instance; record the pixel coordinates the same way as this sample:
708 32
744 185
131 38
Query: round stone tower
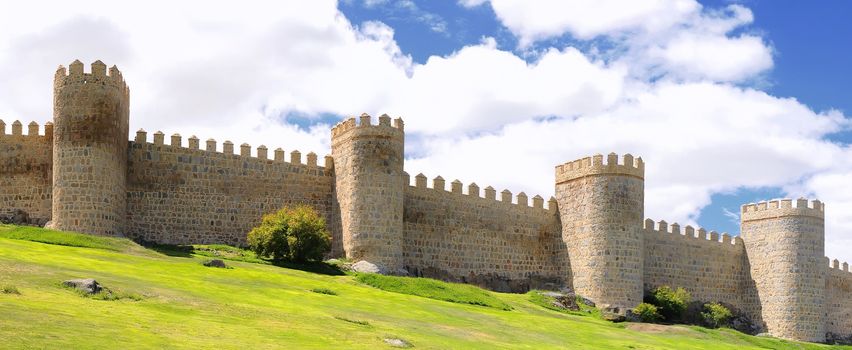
90 115
786 253
601 208
368 162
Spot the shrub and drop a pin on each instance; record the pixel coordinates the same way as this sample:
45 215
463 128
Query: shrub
716 315
324 291
10 290
358 322
647 313
291 234
671 303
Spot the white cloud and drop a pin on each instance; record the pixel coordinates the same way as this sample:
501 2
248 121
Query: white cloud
480 114
715 57
481 88
675 38
471 3
586 19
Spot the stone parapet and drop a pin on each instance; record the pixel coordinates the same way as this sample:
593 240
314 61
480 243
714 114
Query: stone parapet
783 207
246 150
520 200
349 129
591 166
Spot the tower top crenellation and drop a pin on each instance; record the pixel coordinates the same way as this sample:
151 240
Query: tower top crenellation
364 126
595 165
98 74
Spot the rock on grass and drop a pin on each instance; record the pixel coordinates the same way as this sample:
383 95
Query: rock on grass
86 285
398 343
215 263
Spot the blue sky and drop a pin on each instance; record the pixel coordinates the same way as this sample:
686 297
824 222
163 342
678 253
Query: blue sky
727 102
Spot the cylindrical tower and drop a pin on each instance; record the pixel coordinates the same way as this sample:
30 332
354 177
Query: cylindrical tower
601 207
368 162
785 246
90 115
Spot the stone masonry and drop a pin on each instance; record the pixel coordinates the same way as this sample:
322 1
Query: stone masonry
82 174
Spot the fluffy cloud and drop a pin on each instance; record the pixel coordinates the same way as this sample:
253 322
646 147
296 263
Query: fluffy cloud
675 38
669 91
586 19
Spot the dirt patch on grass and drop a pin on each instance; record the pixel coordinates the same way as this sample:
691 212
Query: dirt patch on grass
657 328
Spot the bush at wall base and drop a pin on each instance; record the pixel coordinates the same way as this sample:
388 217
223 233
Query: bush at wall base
672 303
647 313
716 315
291 234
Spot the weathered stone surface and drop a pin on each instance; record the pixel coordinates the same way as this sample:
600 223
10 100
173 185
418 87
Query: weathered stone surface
786 254
215 263
25 175
16 217
601 207
177 195
587 301
397 343
744 324
88 285
613 315
567 302
837 339
91 116
369 180
368 267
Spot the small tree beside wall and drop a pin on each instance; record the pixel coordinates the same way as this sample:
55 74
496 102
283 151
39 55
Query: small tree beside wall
296 234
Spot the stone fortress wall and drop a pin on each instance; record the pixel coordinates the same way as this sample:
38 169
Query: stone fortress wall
838 299
590 237
601 206
710 269
26 171
179 193
498 244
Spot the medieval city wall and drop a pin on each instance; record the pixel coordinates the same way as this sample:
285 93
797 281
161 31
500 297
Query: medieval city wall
838 299
493 243
712 270
181 194
26 178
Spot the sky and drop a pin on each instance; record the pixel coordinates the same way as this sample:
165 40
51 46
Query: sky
728 102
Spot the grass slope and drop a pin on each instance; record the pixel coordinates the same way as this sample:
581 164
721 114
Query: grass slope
259 306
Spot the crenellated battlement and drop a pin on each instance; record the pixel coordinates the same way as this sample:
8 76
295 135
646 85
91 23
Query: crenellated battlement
98 74
33 129
836 265
245 151
594 165
364 126
689 232
783 207
521 199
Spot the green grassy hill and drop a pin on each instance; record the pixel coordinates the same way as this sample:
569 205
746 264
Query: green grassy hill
259 306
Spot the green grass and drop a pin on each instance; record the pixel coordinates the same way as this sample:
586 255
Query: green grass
185 305
72 239
434 289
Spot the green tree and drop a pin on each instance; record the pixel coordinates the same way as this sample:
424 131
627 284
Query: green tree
716 315
291 234
672 302
647 313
